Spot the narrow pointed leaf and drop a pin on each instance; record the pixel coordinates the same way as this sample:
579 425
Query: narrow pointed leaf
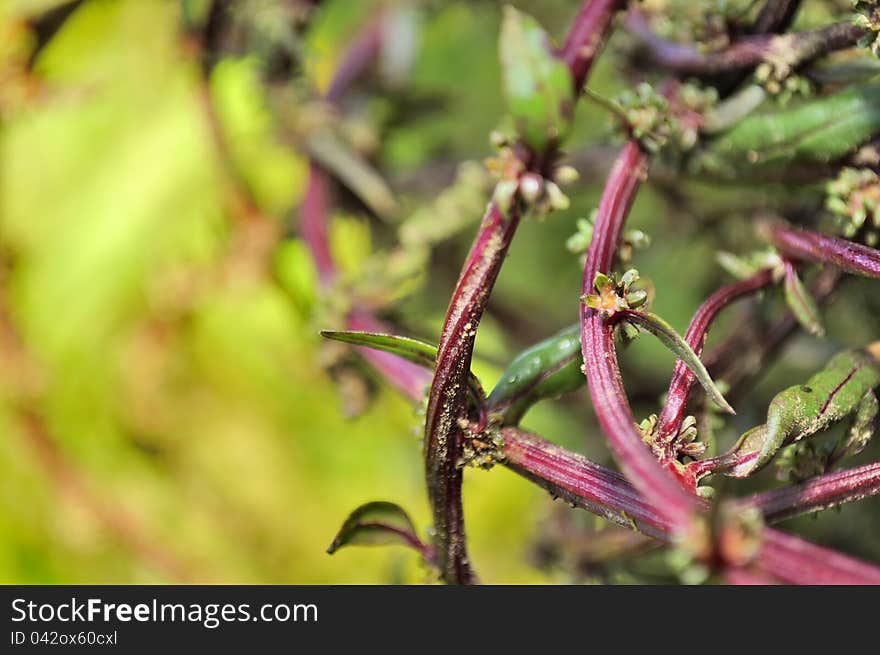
377 523
801 303
355 171
413 350
676 343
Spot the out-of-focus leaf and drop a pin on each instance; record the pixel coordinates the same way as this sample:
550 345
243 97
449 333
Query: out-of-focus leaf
801 303
378 523
538 85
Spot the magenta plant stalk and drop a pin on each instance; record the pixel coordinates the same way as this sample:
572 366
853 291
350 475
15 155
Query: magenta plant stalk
600 359
653 497
581 482
446 399
799 243
818 493
683 378
795 561
313 223
746 52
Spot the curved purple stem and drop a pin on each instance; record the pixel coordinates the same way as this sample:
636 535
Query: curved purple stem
600 359
818 493
799 243
683 378
446 399
746 52
584 40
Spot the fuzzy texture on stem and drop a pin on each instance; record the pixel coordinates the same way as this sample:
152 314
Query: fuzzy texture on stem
745 52
600 359
683 378
447 397
590 486
448 394
799 243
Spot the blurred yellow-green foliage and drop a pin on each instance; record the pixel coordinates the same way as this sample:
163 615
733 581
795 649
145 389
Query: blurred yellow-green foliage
165 414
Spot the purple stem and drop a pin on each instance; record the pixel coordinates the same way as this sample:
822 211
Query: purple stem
796 561
775 16
606 493
597 344
745 52
799 243
581 482
313 223
818 493
682 377
446 399
587 36
313 208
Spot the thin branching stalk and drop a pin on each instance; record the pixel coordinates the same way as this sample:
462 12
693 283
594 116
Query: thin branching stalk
818 493
683 378
800 243
600 359
746 52
446 400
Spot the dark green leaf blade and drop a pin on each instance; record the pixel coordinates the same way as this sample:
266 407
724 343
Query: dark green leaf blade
413 350
377 523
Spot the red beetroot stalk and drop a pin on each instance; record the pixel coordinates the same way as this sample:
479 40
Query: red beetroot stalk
682 377
597 344
446 400
812 246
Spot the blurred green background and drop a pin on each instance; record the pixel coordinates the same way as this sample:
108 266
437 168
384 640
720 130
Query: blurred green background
166 409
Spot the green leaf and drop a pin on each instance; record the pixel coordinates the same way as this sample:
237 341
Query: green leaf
538 86
414 350
676 343
801 303
548 369
378 523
